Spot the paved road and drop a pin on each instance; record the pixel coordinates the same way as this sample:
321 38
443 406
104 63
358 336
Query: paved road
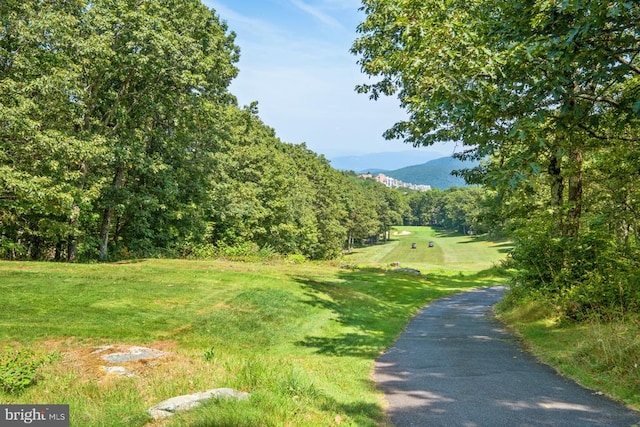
456 366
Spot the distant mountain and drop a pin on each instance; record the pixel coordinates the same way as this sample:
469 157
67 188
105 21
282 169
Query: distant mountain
382 161
436 173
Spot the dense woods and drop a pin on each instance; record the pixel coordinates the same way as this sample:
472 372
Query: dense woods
467 210
119 138
549 92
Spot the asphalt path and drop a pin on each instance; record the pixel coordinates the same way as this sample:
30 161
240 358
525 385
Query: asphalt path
455 365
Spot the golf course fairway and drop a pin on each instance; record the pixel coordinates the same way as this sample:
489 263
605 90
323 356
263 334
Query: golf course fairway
450 252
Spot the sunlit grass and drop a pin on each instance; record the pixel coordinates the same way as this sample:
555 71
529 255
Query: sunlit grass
451 252
301 339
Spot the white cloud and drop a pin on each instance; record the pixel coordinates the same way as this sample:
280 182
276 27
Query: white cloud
318 14
304 78
252 27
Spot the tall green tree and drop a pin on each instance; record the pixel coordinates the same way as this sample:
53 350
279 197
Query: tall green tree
275 195
149 66
44 159
362 220
464 209
548 90
326 200
518 81
101 104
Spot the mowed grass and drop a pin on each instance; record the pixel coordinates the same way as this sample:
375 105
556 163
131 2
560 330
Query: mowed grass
451 252
301 339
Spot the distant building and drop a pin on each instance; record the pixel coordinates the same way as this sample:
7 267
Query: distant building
395 183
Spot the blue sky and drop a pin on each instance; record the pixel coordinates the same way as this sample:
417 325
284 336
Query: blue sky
295 62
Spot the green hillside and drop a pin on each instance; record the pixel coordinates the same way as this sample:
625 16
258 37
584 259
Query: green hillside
436 173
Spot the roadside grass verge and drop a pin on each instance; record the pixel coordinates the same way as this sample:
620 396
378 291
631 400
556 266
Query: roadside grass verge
301 338
603 356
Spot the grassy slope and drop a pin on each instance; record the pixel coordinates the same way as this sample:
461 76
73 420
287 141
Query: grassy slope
300 338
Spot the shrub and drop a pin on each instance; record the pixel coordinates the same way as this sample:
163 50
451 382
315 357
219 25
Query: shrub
587 276
19 369
296 259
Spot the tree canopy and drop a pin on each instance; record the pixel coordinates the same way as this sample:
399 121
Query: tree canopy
119 138
549 92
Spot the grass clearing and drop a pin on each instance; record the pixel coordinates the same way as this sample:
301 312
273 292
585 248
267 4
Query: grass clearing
301 338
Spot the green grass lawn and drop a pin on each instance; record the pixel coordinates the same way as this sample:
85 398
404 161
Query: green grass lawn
451 252
301 338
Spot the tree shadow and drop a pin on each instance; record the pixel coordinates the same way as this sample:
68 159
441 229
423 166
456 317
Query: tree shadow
449 233
504 247
128 261
358 413
373 306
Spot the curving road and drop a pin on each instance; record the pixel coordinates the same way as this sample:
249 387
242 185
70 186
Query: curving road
455 365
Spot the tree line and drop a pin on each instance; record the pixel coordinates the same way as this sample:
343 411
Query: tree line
119 138
549 92
466 210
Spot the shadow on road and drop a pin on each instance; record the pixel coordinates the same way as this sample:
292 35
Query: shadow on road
376 304
455 365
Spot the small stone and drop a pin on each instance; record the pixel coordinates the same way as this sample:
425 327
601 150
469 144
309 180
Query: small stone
118 370
169 407
133 353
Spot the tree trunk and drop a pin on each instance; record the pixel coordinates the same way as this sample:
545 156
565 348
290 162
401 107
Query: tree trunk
58 254
557 187
104 233
72 246
575 197
107 216
72 250
36 249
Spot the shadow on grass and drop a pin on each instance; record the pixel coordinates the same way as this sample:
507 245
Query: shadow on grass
448 233
503 245
503 248
373 306
474 238
358 413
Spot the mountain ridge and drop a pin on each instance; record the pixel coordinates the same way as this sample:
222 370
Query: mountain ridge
384 161
436 173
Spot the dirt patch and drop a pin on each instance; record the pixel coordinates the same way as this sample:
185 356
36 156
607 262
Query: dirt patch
401 233
101 362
